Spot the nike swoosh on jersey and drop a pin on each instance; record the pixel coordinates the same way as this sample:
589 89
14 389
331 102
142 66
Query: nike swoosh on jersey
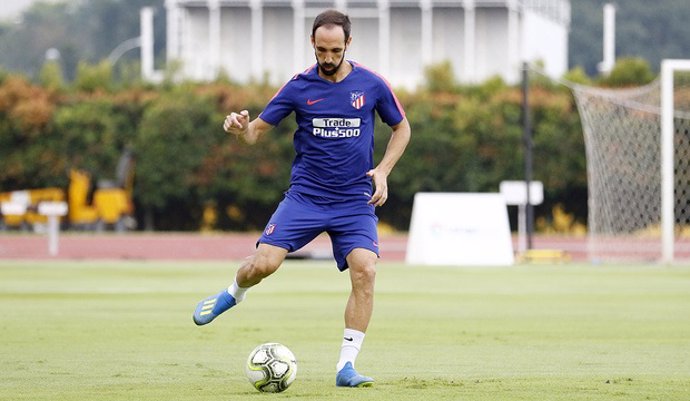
313 102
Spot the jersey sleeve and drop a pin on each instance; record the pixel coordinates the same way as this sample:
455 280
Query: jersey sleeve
389 108
280 106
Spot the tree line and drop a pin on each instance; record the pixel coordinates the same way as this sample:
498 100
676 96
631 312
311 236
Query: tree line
465 138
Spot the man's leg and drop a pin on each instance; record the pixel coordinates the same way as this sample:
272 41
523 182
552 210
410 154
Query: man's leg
265 261
360 305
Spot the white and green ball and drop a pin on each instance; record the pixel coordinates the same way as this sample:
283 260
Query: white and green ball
271 368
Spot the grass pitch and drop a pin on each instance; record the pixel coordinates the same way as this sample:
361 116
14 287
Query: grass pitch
123 331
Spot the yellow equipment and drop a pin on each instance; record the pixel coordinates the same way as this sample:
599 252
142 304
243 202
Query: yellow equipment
80 212
112 202
23 206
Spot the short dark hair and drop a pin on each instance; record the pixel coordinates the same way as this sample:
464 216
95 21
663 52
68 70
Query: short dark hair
333 17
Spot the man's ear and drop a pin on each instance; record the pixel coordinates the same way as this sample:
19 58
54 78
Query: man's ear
347 43
311 38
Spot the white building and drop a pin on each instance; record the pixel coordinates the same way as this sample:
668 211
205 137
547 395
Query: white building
481 38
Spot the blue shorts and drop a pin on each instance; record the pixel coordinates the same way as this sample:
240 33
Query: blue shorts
300 218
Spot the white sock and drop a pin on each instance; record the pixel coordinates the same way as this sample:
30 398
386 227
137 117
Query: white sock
352 343
237 292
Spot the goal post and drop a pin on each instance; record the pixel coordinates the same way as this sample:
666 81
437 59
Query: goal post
637 143
668 69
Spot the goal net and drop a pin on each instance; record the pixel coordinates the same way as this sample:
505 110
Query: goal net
639 178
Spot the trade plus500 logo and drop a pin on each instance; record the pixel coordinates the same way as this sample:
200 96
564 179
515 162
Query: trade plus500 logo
336 127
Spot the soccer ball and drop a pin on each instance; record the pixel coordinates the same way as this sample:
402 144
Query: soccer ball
271 368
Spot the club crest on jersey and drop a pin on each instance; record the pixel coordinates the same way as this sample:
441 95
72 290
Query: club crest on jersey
357 99
269 229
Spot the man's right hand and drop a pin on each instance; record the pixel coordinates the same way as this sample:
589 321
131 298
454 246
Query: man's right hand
237 123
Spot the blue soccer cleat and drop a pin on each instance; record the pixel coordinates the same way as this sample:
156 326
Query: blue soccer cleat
209 308
348 377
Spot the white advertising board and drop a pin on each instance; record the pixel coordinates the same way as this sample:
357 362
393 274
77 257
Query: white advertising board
459 229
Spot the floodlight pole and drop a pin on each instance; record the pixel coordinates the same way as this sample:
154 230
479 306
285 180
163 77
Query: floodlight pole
609 60
527 138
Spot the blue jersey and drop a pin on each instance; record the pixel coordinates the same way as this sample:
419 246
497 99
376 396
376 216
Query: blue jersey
334 141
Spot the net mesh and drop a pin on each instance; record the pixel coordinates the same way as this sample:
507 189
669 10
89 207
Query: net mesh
622 130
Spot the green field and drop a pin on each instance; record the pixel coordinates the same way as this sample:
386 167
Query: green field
123 331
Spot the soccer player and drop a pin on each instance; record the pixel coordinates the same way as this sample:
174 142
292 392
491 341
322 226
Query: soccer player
331 189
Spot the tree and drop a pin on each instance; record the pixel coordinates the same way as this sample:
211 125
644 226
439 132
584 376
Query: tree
93 77
652 30
51 76
81 31
26 113
632 71
89 136
176 131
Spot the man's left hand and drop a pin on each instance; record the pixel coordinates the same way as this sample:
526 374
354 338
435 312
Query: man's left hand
380 195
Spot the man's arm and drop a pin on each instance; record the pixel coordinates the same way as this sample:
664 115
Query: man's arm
396 146
238 124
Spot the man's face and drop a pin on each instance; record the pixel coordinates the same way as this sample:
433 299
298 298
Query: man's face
329 47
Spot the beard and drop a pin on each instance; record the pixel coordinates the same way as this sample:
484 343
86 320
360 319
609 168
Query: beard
333 68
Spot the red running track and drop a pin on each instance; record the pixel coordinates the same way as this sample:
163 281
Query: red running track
195 246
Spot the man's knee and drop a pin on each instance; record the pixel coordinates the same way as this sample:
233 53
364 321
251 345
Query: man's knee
266 261
263 265
363 266
367 271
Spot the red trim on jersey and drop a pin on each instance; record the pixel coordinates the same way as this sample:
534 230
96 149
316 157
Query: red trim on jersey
309 69
292 79
397 102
